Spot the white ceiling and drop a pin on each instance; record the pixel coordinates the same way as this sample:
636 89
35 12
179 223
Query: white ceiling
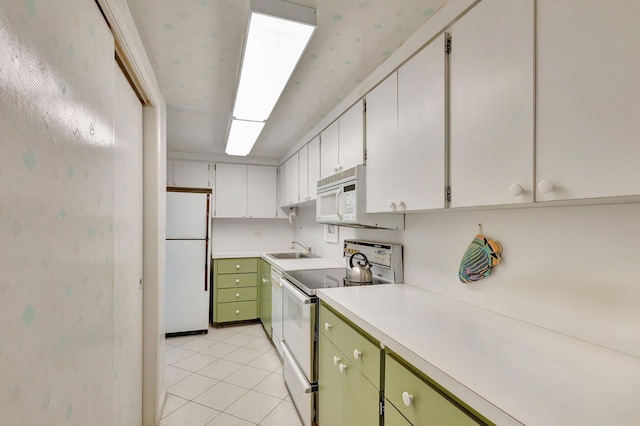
195 47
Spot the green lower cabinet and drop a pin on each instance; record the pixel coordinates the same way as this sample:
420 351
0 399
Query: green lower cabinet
392 417
329 385
235 289
345 396
419 401
264 298
237 311
360 399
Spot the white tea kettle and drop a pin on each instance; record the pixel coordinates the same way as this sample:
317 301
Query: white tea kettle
361 272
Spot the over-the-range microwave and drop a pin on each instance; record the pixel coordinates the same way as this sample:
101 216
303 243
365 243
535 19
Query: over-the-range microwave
342 201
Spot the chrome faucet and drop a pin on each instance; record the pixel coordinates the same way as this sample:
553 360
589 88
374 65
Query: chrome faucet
308 249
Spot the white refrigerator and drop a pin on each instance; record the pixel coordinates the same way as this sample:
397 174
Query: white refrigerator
187 262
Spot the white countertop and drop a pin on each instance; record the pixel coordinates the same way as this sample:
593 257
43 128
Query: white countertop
281 264
510 371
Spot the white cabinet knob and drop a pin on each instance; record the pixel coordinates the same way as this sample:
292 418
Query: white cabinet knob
335 170
237 266
237 294
342 367
357 354
336 360
327 326
400 204
237 280
545 186
237 311
264 281
407 398
392 205
516 189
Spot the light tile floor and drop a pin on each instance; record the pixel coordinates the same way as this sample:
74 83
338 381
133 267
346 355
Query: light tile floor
230 376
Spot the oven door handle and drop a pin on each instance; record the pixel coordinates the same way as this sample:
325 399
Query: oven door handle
303 298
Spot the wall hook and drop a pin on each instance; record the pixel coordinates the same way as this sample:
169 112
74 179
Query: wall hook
480 229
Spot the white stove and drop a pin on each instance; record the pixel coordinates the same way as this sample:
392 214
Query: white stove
300 314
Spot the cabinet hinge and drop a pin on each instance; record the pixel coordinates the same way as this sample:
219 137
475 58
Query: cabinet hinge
364 105
215 167
381 411
365 155
448 193
447 44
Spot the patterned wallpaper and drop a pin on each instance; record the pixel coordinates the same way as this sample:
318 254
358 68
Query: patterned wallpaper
195 48
58 231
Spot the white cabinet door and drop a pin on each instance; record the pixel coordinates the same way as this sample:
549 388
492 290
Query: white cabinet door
191 174
420 154
406 136
313 167
303 173
282 210
261 191
588 105
329 150
351 137
291 180
231 190
383 164
491 104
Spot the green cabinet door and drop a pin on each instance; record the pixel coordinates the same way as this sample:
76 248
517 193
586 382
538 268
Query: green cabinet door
392 417
360 399
329 385
264 301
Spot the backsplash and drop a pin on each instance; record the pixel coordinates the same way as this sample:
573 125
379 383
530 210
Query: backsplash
567 269
68 202
240 234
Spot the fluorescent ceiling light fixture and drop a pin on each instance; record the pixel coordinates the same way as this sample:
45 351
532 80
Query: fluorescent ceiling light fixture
277 35
242 135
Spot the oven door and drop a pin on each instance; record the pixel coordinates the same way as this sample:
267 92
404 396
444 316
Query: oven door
299 312
329 204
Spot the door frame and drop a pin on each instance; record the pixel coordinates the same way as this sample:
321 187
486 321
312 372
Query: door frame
133 58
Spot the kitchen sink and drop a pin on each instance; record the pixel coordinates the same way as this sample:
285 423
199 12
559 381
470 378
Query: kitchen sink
292 255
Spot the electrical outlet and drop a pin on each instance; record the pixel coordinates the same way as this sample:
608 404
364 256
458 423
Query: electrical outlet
256 234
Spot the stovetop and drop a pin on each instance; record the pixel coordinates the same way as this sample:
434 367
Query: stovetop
310 280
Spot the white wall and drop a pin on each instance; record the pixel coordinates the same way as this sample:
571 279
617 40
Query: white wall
59 212
568 269
239 234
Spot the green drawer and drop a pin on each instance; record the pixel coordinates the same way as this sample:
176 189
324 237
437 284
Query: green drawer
236 311
362 353
237 294
427 406
232 266
236 280
392 417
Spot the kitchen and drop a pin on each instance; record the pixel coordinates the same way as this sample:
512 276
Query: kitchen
563 285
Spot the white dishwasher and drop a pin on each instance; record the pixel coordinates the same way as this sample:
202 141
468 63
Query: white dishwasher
276 309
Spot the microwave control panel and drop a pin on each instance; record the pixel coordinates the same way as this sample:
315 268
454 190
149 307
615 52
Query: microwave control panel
350 203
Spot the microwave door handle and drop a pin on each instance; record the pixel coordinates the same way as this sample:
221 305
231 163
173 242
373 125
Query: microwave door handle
339 191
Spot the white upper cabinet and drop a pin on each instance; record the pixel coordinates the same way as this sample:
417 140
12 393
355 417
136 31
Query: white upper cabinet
231 190
244 191
303 173
261 191
329 150
588 105
342 143
188 174
406 136
291 192
351 140
281 196
313 167
491 72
